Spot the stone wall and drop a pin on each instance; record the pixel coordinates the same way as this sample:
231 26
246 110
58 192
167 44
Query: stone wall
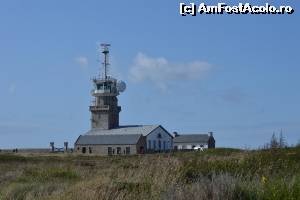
103 149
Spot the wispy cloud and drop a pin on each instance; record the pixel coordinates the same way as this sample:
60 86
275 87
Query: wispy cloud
82 61
233 95
18 128
114 69
161 71
12 88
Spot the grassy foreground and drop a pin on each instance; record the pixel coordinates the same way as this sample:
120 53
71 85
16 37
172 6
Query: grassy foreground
214 174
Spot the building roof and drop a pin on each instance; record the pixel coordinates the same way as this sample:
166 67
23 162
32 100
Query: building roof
108 139
191 138
125 130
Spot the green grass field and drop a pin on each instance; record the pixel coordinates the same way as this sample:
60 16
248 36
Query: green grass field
214 174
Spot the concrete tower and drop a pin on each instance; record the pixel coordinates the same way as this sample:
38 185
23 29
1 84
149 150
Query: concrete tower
104 109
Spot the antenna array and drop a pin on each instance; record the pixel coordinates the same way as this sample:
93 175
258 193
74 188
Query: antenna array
105 63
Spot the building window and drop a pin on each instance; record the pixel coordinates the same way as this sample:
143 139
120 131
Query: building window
159 144
118 150
159 135
109 151
90 149
127 150
83 149
149 144
164 143
154 144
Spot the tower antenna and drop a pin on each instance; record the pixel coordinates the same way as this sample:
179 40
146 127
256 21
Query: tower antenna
105 51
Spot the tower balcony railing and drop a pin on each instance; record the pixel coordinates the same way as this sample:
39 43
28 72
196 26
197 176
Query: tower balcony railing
102 78
99 108
103 92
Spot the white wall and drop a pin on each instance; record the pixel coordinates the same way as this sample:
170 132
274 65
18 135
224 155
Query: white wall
165 137
189 146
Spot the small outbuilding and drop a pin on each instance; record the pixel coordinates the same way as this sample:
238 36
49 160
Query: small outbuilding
193 141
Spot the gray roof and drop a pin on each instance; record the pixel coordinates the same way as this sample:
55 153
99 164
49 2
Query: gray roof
124 130
108 139
191 138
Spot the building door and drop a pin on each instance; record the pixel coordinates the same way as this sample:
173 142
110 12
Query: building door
141 151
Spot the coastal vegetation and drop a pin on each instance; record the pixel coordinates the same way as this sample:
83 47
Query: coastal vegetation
220 173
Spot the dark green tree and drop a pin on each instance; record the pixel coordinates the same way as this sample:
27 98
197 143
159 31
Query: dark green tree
274 142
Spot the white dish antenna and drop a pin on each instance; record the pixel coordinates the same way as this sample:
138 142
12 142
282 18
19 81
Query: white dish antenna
121 86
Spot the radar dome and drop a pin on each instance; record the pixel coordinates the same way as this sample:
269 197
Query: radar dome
121 86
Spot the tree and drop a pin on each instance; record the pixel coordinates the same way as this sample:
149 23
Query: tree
298 143
274 142
282 142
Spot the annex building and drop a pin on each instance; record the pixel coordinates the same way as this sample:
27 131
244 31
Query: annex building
193 141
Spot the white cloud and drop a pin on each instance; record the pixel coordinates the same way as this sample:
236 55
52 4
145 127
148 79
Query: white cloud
82 62
161 71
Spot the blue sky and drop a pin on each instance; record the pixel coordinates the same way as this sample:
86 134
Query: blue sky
235 75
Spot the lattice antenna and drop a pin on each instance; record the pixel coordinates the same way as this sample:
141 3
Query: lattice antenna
105 63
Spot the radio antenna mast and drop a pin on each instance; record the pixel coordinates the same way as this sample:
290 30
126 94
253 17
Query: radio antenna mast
105 51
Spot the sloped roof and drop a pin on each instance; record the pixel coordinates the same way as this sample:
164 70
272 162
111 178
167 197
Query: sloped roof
125 130
191 138
108 139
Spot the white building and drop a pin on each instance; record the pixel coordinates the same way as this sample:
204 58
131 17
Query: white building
193 141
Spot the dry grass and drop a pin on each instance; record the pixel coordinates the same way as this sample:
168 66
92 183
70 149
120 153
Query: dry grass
214 174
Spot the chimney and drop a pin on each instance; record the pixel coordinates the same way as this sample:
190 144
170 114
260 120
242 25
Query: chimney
175 134
66 146
52 146
211 134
